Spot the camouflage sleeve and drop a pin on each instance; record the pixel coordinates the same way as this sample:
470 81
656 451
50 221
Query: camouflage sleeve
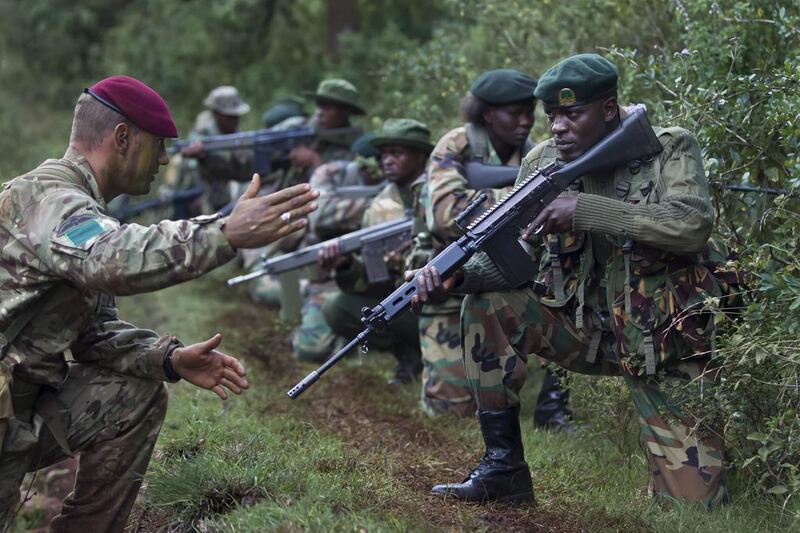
682 219
112 343
334 215
76 241
447 186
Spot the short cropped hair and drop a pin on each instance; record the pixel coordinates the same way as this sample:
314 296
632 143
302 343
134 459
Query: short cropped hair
93 121
472 108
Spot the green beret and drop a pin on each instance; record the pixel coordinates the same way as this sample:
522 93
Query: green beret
282 110
503 86
340 92
577 80
405 132
363 146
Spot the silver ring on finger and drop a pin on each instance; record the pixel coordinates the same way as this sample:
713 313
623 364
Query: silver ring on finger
286 217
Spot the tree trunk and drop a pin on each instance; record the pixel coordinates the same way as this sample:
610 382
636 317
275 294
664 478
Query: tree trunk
341 16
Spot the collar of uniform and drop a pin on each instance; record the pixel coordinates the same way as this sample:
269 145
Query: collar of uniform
494 159
79 160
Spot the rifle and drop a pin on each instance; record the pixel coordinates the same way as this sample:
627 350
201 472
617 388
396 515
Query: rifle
755 189
357 192
179 200
633 139
267 142
374 242
483 176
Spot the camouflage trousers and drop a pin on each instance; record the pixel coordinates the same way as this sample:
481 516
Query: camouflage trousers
314 340
113 421
444 383
501 330
342 312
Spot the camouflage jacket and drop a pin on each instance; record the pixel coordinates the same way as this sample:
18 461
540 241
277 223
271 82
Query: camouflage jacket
331 149
391 203
335 215
634 263
63 254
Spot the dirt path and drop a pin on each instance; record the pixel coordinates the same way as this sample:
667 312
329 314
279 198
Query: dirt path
413 450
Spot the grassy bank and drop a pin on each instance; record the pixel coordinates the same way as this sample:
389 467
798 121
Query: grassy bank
351 455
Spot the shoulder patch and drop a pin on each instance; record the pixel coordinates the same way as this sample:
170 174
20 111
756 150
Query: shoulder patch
82 230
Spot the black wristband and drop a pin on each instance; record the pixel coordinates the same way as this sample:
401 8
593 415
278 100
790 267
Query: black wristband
169 370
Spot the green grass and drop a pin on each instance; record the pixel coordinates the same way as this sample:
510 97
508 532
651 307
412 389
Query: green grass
349 455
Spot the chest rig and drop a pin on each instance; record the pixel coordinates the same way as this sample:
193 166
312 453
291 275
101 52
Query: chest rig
650 301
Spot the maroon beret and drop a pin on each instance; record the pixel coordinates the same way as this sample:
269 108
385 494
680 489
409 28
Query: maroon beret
137 102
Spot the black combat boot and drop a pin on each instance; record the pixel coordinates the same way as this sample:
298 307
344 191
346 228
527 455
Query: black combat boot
407 367
552 410
502 475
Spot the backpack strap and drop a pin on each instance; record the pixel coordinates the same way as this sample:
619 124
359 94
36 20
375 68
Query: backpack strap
477 143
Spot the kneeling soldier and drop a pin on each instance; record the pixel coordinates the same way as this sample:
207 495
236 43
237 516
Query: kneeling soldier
620 291
64 259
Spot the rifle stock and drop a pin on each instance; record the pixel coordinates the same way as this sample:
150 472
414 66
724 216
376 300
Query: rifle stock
483 176
633 139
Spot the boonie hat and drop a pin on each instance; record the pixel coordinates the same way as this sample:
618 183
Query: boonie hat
225 100
405 132
340 92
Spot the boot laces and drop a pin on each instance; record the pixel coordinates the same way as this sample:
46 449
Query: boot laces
486 461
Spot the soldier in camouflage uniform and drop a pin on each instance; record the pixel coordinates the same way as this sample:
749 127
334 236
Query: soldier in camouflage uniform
621 291
64 259
404 145
313 339
336 100
335 216
217 169
505 98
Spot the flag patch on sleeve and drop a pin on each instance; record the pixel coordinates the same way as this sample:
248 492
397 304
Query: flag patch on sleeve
81 233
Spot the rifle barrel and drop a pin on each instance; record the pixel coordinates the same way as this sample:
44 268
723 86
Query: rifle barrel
314 375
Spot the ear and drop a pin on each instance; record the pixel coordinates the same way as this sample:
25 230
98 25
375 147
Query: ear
610 109
122 137
488 115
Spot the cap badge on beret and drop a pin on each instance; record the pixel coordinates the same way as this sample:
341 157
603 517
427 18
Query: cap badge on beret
566 96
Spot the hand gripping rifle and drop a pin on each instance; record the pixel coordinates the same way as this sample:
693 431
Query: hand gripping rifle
633 139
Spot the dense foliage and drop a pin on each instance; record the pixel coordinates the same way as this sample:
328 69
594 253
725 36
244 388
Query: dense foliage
726 69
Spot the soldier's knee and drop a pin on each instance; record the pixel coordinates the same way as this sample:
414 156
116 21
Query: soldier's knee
155 396
329 310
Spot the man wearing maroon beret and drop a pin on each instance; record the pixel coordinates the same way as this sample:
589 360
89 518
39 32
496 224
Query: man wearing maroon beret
63 259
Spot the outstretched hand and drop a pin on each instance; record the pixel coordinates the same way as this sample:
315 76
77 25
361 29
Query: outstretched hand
203 366
259 220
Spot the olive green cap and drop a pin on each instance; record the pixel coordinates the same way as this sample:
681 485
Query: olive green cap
225 100
283 109
503 86
578 80
363 146
340 92
405 132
